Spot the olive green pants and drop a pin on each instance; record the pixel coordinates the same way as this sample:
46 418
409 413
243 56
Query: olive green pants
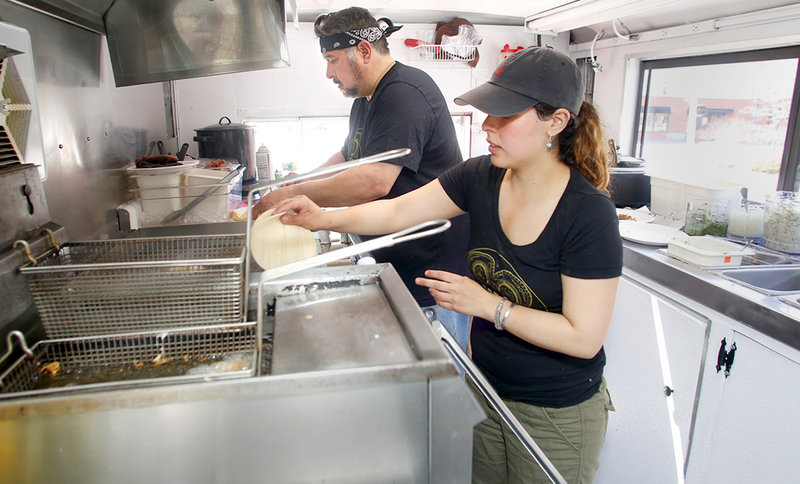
570 437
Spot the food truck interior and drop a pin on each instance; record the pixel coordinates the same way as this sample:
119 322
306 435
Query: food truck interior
701 108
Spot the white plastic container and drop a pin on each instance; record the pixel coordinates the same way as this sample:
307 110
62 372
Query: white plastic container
215 207
708 251
160 194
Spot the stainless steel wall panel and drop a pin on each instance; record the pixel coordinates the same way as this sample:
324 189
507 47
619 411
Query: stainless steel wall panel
90 128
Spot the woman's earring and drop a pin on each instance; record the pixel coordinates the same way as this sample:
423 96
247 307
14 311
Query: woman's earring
549 142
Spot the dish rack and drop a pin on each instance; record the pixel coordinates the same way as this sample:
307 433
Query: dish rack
445 52
130 300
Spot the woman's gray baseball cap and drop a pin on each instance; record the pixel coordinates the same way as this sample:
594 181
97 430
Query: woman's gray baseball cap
529 77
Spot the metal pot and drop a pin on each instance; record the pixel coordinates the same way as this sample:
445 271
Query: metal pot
230 140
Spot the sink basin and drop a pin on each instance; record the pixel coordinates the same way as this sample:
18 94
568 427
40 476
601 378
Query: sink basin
772 280
766 258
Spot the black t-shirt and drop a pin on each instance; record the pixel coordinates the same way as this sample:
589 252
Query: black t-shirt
407 110
581 240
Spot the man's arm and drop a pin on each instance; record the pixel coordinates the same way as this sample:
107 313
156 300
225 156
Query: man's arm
337 158
353 186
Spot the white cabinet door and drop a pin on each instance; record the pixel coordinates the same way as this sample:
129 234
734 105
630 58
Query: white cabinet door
749 429
651 343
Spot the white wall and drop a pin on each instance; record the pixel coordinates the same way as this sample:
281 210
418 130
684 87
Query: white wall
303 89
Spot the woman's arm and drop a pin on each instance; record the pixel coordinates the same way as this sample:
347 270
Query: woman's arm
428 202
579 331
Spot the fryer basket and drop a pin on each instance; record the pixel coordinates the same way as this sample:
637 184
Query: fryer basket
127 285
188 354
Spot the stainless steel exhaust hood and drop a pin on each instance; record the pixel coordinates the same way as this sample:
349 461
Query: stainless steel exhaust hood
163 40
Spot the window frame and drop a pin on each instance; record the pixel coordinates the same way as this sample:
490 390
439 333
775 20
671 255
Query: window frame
787 177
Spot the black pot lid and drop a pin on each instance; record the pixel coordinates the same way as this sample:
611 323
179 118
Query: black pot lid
225 124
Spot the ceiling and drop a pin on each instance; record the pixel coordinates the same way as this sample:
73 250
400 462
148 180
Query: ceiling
669 13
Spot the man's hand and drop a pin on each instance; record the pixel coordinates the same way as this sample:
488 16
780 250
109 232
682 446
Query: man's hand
270 200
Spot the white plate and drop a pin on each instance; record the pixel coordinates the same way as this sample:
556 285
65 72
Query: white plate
649 233
163 170
635 215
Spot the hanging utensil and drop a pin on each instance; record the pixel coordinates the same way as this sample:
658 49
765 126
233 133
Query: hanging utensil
182 152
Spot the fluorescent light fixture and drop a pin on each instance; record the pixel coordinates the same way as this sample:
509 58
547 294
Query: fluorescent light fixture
580 13
771 15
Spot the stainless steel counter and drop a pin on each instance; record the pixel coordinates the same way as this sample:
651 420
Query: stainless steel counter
766 314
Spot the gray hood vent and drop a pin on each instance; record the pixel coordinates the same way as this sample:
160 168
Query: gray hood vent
164 40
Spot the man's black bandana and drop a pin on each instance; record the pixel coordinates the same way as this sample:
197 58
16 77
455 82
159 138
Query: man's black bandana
351 38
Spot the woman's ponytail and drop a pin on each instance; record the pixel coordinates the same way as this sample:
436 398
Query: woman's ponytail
589 147
581 144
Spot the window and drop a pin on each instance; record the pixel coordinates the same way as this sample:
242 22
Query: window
302 144
719 121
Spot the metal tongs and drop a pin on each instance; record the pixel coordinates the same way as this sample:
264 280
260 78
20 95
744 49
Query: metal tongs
416 232
326 170
494 399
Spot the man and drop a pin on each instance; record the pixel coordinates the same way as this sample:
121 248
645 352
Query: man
395 106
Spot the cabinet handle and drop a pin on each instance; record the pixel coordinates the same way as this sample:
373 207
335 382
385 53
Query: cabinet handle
725 358
721 355
729 359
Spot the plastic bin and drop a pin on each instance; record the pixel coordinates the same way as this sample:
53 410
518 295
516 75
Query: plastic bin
708 251
160 194
215 206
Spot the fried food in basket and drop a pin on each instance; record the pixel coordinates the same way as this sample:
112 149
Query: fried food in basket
157 161
51 369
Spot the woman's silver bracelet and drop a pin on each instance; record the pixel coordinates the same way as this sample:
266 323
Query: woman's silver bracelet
505 317
497 323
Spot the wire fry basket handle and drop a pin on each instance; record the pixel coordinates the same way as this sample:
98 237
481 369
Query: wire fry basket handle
27 249
23 344
52 237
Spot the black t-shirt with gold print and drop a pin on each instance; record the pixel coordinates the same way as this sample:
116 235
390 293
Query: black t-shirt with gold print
581 240
408 110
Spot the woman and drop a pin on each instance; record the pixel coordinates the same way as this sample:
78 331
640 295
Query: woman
545 256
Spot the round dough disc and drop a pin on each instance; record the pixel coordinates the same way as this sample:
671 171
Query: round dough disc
274 244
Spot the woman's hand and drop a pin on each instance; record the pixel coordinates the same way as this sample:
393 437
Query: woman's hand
458 293
300 210
269 200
